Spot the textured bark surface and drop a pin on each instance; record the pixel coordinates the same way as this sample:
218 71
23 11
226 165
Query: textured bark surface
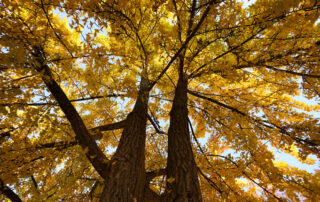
126 178
182 180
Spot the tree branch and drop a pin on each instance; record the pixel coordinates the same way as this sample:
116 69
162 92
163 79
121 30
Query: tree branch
5 134
57 145
216 102
55 33
111 126
305 142
97 135
93 152
212 184
184 45
197 72
56 104
201 150
292 72
155 125
247 176
9 193
34 182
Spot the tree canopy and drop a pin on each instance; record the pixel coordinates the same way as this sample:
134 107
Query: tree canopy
177 100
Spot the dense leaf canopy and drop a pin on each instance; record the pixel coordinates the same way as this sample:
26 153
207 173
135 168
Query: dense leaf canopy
245 68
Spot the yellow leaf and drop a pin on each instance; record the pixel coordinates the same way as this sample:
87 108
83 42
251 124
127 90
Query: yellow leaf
171 180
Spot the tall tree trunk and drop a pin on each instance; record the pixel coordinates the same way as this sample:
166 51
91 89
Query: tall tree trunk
126 178
182 180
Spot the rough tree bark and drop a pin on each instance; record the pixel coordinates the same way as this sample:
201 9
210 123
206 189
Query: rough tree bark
182 180
126 179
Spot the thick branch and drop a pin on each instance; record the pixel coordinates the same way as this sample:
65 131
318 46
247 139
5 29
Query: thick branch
57 145
97 135
9 193
5 134
94 154
111 126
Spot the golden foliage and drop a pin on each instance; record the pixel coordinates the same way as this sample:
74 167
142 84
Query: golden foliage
246 66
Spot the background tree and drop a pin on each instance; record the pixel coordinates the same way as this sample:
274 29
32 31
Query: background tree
88 88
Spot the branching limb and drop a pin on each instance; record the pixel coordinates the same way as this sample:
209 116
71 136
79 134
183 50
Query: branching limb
111 126
292 72
53 29
212 184
64 144
305 142
155 125
248 177
216 102
198 72
184 45
201 150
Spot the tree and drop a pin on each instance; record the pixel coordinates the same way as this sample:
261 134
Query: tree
89 89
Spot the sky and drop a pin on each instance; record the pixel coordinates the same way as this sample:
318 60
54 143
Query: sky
247 3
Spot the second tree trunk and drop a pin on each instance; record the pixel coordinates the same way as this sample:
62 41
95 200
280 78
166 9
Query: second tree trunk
126 176
182 180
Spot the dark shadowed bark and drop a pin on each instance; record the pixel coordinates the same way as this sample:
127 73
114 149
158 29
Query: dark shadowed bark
182 180
9 193
150 196
126 179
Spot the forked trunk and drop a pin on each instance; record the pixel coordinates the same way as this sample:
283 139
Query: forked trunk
126 179
182 180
